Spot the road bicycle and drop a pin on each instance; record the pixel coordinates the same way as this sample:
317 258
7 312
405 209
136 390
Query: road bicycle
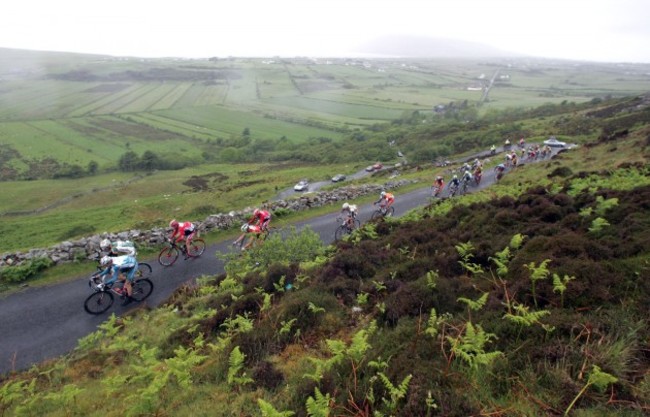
463 186
255 239
172 250
435 191
346 227
382 212
104 292
453 189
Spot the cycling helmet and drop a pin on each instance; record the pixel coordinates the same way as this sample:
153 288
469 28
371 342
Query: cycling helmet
383 193
439 178
244 227
106 261
105 244
256 212
345 206
173 224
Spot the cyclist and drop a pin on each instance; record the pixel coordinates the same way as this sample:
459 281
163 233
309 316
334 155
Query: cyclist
261 217
183 231
506 144
499 169
453 185
493 149
478 174
350 211
522 142
119 247
514 159
247 228
120 268
467 176
385 200
508 158
438 184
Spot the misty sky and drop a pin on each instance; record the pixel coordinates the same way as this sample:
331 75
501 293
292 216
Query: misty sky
596 30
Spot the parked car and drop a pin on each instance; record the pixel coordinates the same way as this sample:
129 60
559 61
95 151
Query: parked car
338 178
370 168
302 185
552 141
377 166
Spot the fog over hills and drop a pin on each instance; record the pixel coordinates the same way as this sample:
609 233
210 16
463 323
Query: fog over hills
420 47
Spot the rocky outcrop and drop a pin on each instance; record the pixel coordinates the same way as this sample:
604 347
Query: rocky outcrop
88 247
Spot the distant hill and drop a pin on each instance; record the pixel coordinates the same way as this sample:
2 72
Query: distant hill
420 47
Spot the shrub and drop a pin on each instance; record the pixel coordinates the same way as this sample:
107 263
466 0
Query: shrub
20 273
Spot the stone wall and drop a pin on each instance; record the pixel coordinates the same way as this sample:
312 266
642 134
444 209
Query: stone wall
88 247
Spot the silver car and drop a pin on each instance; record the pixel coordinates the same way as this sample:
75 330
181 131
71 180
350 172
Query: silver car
553 142
302 185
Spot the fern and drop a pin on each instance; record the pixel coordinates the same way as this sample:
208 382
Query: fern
524 317
432 279
235 365
239 325
560 285
286 326
471 347
501 260
516 241
362 298
598 378
9 393
603 205
474 305
432 324
537 273
182 363
465 252
269 411
359 346
396 393
598 224
315 309
378 364
319 404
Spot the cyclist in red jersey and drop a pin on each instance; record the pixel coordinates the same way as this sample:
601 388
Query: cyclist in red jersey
260 217
260 220
385 200
438 185
183 231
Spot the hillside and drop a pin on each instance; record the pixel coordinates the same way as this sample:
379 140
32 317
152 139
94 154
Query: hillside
528 298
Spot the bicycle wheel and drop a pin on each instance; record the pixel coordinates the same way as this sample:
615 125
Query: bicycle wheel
376 214
141 289
341 232
196 248
144 270
390 212
168 256
98 302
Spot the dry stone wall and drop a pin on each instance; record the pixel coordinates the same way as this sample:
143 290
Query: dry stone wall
88 247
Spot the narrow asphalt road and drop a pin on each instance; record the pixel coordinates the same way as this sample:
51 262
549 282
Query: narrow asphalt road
41 323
